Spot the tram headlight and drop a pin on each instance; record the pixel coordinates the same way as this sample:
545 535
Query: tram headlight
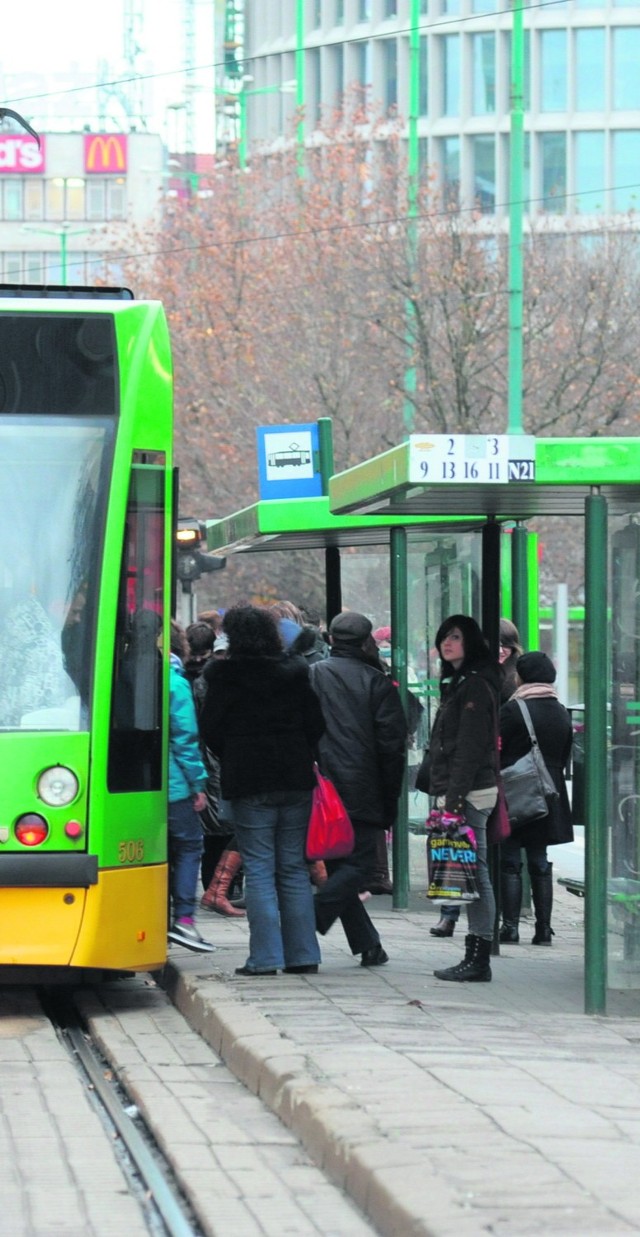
31 829
57 786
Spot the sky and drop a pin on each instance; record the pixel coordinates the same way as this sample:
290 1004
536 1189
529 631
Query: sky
73 43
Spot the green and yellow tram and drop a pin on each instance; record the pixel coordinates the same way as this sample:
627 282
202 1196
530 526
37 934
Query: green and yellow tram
86 517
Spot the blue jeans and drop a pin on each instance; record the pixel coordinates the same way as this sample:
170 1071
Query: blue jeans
481 914
271 829
185 849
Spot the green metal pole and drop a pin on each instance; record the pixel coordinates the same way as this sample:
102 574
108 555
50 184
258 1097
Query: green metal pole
595 755
300 87
412 208
516 179
399 640
242 122
520 582
325 446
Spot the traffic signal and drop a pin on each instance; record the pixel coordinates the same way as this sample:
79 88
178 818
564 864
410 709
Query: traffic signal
192 558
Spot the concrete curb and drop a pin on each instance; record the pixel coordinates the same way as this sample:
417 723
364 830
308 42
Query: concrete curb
386 1180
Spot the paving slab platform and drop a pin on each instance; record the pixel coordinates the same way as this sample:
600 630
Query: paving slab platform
442 1109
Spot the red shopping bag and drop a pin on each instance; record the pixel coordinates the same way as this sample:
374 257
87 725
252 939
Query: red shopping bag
330 832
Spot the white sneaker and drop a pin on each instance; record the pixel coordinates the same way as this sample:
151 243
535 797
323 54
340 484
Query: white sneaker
186 934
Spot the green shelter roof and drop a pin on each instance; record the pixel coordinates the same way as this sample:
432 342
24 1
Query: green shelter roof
308 523
566 469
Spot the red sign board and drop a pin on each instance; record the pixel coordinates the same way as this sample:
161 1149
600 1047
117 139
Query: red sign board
105 152
21 155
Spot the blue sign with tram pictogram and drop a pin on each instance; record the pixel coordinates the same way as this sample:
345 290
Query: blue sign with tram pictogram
289 461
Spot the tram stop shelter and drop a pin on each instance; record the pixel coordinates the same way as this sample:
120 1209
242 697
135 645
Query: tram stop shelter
444 540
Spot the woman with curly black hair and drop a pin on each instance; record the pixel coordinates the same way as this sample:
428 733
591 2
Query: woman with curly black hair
262 720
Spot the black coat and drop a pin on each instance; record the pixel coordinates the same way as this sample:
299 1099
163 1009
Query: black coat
262 720
552 725
464 738
363 747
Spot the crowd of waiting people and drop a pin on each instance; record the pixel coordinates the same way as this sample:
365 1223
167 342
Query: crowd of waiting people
260 694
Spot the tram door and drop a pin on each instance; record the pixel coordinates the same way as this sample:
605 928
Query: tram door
625 735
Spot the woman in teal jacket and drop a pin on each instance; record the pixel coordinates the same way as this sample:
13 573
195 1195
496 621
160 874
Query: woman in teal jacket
187 779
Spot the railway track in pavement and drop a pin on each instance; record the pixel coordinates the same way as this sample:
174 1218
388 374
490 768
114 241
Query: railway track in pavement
180 1145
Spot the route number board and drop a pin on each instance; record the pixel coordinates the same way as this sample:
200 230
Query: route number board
460 459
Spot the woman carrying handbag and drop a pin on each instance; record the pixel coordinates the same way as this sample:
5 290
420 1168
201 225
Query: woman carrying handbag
552 727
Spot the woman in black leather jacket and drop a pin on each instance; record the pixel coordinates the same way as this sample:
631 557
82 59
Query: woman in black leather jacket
463 769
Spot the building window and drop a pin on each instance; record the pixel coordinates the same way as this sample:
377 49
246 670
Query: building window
590 70
336 64
339 17
553 159
13 267
423 89
626 78
363 60
34 199
589 172
13 199
451 172
96 199
390 8
484 73
364 10
484 173
484 6
389 72
451 7
74 199
451 82
34 268
317 15
626 158
553 71
313 87
54 198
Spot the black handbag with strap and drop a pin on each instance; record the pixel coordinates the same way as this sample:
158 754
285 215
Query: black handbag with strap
528 785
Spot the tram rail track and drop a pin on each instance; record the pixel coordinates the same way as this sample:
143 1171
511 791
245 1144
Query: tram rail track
150 1175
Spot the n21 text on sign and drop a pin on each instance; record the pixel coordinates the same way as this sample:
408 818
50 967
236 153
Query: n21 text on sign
461 459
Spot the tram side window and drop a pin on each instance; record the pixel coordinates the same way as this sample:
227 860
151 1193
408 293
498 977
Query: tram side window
135 741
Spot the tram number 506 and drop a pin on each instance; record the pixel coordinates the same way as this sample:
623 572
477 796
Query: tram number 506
131 851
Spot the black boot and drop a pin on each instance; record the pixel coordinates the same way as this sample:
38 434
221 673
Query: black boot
542 894
475 966
511 899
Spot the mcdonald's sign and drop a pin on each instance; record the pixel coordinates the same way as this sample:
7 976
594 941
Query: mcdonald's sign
105 152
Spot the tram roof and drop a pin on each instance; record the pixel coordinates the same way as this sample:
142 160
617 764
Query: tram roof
309 523
566 470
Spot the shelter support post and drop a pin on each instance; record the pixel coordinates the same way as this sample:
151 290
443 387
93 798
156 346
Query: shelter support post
399 641
491 629
520 582
333 582
595 718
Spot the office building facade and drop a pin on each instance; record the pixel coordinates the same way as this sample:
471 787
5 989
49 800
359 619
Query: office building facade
68 206
581 91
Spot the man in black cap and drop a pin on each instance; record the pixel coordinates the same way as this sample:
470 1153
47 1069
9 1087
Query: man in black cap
362 751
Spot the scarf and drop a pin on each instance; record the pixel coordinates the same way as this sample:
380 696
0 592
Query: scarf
529 691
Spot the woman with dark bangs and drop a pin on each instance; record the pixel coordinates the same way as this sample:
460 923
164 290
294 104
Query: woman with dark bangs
262 720
463 769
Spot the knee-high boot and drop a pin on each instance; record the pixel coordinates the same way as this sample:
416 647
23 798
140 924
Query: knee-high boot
511 899
215 897
380 881
542 895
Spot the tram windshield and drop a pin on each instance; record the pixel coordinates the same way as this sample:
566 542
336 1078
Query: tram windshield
52 487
